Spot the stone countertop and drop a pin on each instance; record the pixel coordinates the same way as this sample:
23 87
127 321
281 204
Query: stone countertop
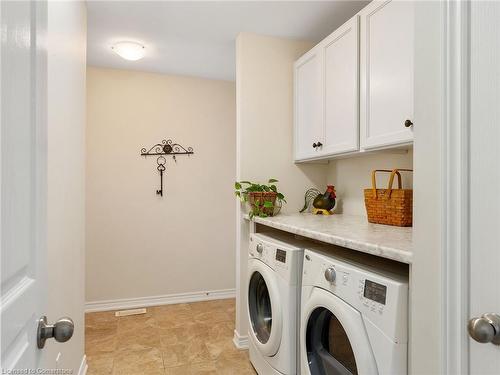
352 232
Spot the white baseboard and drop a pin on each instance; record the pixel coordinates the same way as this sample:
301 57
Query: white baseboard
83 366
131 303
241 342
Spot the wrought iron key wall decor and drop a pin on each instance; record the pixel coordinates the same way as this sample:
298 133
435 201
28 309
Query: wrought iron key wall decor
166 147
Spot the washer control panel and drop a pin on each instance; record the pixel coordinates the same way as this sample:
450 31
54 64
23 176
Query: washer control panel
282 257
260 250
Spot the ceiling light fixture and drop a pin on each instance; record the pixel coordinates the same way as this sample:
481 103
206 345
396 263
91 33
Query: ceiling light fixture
129 50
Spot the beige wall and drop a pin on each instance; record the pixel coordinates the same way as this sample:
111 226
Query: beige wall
264 80
352 175
139 244
265 115
66 48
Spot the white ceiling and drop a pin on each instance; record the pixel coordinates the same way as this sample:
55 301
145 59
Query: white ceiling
198 38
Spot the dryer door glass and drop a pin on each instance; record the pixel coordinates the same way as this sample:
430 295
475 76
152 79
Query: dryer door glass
259 305
329 350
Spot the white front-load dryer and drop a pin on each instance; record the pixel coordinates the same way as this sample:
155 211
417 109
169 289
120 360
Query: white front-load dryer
353 318
273 290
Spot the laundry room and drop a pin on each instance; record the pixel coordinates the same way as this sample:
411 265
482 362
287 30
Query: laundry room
250 187
283 141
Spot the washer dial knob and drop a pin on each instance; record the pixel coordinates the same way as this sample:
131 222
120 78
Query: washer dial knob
330 274
260 248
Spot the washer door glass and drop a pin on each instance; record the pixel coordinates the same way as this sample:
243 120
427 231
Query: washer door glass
259 305
329 350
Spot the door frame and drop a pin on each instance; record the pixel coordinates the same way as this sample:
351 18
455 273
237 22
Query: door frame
455 189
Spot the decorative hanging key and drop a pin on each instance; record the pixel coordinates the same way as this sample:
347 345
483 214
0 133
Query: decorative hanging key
161 168
166 147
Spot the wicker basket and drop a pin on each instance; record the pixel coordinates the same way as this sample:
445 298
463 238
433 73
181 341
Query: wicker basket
258 198
389 206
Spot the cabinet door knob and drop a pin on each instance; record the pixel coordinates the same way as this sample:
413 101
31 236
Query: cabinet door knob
319 144
408 123
315 145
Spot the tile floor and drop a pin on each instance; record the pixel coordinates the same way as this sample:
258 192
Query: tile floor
181 339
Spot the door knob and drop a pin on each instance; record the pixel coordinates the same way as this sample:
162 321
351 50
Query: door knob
61 331
315 145
319 144
408 123
485 329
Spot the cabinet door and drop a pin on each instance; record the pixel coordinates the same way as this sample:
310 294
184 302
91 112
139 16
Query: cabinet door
386 72
341 93
308 105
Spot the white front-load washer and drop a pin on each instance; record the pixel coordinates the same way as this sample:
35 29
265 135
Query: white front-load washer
353 319
273 290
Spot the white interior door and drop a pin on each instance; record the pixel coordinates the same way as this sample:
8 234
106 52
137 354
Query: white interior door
484 176
23 180
42 157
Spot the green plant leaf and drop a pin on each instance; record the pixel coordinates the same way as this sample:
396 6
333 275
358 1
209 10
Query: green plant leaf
246 182
280 196
268 204
272 181
237 193
237 185
274 188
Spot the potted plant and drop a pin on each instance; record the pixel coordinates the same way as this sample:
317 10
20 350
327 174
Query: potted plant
264 199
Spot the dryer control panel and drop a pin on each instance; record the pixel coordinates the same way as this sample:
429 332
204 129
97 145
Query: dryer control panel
380 296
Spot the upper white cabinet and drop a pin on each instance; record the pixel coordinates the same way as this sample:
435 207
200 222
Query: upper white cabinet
326 96
386 73
341 94
354 90
308 106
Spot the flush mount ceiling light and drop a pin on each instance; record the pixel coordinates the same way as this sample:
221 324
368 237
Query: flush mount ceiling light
129 50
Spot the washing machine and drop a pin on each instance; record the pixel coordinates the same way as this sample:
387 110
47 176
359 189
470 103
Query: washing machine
274 273
354 318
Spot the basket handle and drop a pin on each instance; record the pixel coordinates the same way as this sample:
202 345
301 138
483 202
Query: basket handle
374 180
393 172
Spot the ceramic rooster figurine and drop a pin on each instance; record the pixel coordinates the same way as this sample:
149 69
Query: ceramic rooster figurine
322 203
